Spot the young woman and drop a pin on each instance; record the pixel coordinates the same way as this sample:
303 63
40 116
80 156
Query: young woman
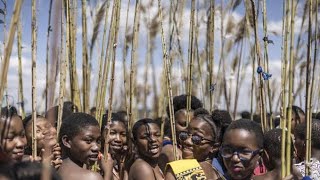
180 115
46 136
241 148
272 156
300 145
147 139
12 135
80 139
203 136
117 144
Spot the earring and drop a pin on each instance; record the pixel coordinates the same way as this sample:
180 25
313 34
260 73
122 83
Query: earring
261 166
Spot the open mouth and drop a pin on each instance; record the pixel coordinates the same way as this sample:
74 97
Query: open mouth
93 157
154 149
116 146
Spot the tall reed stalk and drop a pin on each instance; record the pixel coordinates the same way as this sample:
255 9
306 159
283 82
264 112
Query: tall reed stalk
308 110
117 5
21 97
124 57
8 46
34 78
85 61
168 83
71 35
190 58
102 65
290 97
211 52
47 55
284 92
63 67
133 61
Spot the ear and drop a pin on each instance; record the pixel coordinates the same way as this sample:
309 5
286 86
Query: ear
66 141
215 147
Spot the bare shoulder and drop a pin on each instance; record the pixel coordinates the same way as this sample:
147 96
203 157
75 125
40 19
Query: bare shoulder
261 177
141 170
71 172
168 152
93 176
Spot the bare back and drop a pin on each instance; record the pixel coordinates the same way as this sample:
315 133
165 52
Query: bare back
70 170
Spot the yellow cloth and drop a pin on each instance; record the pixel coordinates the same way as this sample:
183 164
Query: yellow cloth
187 169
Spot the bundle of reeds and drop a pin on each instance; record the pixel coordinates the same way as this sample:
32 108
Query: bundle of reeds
117 5
8 46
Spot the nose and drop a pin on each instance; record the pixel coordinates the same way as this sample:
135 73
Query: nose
21 142
188 141
95 147
235 157
117 138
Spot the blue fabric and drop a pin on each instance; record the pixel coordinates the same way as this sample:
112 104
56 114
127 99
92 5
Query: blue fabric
166 142
217 165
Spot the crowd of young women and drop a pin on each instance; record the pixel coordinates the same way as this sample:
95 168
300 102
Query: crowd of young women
209 146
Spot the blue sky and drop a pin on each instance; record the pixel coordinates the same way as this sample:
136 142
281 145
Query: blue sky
274 18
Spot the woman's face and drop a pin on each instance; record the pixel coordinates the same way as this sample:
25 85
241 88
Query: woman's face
198 130
46 134
118 137
85 146
149 141
201 130
240 140
13 137
299 145
181 120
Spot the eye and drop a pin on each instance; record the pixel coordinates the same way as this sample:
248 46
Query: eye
112 132
88 141
10 138
196 139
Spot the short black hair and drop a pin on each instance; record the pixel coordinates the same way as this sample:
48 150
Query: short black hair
318 116
8 111
215 126
222 117
68 108
114 117
272 142
250 126
180 102
200 111
300 131
141 122
74 123
315 134
28 119
245 115
257 118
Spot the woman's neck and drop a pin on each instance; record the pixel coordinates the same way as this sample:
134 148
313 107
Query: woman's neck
75 161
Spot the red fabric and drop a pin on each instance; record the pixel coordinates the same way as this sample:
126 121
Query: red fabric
260 170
